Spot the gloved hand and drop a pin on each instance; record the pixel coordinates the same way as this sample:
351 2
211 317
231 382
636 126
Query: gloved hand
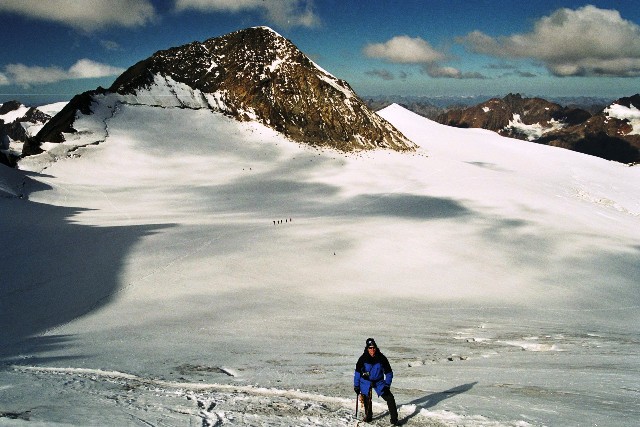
356 389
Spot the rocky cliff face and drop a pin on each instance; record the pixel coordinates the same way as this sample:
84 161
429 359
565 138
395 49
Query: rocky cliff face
253 74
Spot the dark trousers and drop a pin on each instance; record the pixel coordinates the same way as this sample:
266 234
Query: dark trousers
391 404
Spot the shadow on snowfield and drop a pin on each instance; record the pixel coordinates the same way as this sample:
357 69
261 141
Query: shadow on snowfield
431 400
55 270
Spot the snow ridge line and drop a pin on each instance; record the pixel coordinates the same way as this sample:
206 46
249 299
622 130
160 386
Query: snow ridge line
186 386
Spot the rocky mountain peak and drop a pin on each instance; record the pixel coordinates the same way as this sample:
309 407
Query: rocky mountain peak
9 106
629 101
254 74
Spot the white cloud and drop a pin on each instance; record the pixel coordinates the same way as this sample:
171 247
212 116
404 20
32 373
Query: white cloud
404 50
25 75
285 13
448 72
436 71
383 74
86 68
415 50
110 45
86 15
585 41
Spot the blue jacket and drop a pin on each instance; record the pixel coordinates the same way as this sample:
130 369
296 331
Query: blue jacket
372 372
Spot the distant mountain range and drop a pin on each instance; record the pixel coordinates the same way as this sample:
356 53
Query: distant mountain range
612 133
432 106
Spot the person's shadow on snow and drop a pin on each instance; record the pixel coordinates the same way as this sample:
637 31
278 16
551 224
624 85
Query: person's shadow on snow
432 400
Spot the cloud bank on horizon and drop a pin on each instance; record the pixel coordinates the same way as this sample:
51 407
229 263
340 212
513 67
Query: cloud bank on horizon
587 41
408 50
26 76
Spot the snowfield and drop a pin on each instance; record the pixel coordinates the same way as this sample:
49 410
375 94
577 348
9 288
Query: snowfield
187 269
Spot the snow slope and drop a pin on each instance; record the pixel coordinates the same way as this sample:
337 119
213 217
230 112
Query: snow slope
191 268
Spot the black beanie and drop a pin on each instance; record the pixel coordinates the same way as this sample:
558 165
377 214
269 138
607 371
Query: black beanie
371 343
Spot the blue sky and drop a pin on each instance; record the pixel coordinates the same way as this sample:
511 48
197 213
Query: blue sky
54 49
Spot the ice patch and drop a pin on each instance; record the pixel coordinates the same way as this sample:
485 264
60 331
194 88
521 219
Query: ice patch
332 81
533 131
230 372
212 66
530 345
451 418
275 65
631 113
52 109
605 202
15 114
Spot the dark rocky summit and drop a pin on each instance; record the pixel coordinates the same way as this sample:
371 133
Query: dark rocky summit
252 74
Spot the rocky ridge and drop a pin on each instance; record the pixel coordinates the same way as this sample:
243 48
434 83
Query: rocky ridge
514 116
252 74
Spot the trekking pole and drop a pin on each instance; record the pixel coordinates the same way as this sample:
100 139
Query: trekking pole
357 398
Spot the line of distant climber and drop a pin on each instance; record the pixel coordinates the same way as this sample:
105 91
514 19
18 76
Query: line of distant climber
282 221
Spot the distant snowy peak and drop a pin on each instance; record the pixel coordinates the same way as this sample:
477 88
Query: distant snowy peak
17 124
253 74
21 116
626 109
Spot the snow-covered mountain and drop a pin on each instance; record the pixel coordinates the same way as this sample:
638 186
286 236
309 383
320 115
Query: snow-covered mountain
252 74
197 269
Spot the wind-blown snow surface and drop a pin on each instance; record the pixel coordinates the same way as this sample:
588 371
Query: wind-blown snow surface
193 269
